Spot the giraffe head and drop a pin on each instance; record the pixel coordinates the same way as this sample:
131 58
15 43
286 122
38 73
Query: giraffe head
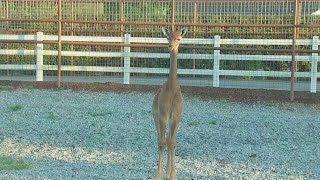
174 37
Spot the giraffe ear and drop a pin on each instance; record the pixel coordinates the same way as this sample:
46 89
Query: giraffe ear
183 31
166 32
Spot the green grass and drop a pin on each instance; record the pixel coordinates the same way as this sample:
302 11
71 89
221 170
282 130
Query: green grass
26 87
16 107
53 117
7 163
101 114
213 122
12 88
6 88
193 124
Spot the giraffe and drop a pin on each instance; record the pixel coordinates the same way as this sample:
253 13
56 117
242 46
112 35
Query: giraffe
167 107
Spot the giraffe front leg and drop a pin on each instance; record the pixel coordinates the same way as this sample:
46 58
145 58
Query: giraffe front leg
161 146
171 142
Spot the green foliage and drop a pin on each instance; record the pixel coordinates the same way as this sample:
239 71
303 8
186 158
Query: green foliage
148 11
7 163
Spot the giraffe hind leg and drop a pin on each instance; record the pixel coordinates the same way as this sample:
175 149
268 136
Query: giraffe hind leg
172 143
161 128
171 139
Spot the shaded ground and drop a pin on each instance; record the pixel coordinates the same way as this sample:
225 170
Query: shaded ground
208 93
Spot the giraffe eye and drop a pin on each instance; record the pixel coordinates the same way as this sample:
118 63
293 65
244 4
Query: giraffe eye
179 39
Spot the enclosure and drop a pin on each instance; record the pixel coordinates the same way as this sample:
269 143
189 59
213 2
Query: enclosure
78 78
230 44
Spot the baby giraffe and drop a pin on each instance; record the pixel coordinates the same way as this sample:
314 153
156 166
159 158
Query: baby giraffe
167 107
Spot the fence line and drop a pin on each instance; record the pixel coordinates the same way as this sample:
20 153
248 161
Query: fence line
216 56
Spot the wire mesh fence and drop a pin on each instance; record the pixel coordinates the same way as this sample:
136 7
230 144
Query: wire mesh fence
238 23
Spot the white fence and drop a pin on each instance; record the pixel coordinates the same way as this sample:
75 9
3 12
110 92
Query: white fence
215 72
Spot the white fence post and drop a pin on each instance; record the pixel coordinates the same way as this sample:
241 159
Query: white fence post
314 64
126 59
216 62
39 57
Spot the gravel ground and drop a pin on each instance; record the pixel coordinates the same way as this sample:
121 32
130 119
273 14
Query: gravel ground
106 135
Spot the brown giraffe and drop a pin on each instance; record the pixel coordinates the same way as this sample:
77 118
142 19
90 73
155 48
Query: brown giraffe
167 107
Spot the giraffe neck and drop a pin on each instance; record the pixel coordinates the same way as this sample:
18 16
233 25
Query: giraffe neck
173 64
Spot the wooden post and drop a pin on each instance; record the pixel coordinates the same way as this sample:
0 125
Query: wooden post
59 42
294 39
72 33
195 17
39 57
173 14
7 29
122 18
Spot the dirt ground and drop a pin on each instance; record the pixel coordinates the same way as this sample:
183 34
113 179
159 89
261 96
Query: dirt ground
208 93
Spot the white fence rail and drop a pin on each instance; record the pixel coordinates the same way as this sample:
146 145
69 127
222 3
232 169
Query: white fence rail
215 72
